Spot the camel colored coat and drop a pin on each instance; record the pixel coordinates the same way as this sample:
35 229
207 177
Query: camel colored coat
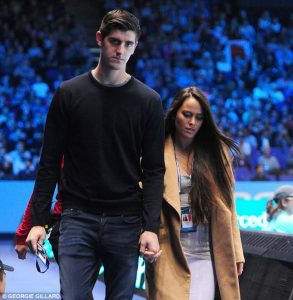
169 277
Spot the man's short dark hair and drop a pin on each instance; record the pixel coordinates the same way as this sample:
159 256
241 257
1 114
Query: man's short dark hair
120 19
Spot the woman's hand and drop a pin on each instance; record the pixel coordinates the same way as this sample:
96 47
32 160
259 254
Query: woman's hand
239 267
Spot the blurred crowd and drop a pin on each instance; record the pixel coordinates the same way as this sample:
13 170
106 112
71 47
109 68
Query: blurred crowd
242 62
40 46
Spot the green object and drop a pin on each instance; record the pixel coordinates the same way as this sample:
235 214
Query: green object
48 247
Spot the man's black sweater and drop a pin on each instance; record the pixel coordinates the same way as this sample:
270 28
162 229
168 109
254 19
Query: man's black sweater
111 138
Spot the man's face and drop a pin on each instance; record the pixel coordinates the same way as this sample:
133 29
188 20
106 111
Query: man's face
116 48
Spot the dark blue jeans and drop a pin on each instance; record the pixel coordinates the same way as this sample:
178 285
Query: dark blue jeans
88 239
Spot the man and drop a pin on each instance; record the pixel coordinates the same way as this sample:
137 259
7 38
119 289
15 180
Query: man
110 128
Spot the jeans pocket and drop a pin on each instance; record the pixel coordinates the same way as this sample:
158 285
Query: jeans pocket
130 219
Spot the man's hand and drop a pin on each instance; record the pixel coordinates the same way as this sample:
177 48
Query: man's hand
36 235
149 246
21 251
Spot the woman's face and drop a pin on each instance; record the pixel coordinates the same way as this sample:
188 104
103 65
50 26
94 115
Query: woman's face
189 119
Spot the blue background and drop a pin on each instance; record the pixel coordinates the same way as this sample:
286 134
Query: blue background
250 198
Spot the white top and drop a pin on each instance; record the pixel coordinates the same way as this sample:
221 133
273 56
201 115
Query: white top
194 243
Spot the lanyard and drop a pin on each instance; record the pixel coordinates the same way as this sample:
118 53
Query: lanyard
186 216
178 171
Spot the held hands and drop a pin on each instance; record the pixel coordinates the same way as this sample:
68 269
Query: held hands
36 235
149 246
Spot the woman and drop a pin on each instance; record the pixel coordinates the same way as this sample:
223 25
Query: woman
280 210
199 236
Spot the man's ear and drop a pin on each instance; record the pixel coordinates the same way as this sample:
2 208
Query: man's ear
284 202
136 43
99 38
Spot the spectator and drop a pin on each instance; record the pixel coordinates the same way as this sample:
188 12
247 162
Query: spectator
40 88
259 174
29 172
6 170
280 210
245 152
270 162
17 157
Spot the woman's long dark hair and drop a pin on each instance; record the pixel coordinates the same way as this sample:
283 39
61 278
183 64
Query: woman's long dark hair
211 171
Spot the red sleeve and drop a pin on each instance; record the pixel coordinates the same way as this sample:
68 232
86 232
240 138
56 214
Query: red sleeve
57 209
25 225
58 206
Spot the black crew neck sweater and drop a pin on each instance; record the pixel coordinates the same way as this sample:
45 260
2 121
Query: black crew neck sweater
112 138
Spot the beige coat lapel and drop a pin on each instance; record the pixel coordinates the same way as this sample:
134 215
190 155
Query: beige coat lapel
171 189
